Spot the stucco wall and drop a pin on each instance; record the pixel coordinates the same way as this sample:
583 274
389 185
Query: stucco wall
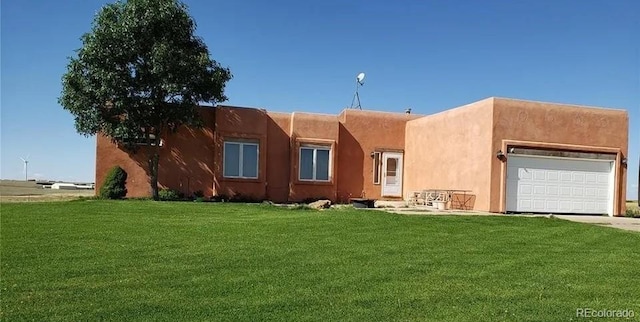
245 124
187 156
278 156
361 133
451 150
315 129
559 126
184 165
108 155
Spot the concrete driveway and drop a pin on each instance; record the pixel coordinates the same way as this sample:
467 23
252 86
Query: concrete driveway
626 223
399 207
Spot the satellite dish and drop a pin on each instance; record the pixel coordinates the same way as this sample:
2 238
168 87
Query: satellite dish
356 96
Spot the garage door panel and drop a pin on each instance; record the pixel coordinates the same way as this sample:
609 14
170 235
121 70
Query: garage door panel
556 185
602 179
525 204
525 189
564 206
538 205
524 174
577 192
602 193
539 190
578 177
577 206
565 191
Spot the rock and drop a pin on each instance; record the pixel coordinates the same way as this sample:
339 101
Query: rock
320 204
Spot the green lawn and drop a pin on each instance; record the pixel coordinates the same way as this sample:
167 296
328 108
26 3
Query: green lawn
142 260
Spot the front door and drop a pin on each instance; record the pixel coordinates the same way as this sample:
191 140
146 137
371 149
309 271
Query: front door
391 174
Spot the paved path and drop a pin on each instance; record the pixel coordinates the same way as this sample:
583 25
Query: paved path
626 223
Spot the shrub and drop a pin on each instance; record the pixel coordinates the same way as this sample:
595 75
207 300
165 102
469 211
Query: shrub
220 198
198 194
238 197
114 186
169 195
633 212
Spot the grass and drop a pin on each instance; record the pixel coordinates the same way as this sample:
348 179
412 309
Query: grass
142 260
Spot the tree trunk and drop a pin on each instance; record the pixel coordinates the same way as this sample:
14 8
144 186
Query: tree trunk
153 147
153 168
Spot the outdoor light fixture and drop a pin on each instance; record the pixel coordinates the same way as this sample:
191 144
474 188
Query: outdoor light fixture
624 161
373 154
500 155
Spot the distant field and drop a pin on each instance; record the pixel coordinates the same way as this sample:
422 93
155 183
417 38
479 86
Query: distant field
16 191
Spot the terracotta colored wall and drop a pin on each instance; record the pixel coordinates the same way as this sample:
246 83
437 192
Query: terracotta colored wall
185 161
451 150
361 133
240 123
278 156
187 156
108 155
316 129
587 129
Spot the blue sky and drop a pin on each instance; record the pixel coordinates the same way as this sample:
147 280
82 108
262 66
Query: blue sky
303 55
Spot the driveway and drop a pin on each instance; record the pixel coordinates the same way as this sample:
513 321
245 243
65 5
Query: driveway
626 223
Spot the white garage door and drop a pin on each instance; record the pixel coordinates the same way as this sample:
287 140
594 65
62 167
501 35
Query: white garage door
559 185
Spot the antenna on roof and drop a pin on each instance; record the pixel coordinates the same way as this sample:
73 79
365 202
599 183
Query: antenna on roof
26 164
356 96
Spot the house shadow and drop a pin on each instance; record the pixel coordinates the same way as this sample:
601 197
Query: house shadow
350 166
184 163
278 168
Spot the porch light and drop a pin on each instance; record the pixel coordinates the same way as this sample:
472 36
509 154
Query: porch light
500 155
624 161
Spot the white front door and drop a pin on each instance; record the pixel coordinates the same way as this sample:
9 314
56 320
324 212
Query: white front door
391 174
559 185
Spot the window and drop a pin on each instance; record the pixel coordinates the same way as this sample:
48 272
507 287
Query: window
315 163
139 140
376 167
240 160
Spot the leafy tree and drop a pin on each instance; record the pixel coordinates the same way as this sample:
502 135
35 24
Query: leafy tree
141 73
115 184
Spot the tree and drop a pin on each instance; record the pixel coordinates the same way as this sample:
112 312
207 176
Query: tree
141 73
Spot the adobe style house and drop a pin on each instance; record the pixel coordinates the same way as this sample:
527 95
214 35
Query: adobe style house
510 156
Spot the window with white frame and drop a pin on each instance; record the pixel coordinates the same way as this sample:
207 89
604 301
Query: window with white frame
240 160
315 163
